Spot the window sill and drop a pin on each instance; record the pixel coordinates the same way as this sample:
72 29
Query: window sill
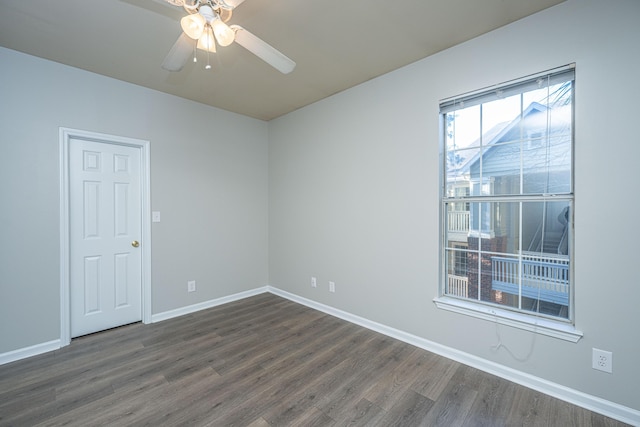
540 325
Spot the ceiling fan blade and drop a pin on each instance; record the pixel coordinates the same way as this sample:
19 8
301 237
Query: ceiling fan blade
262 50
179 54
233 3
174 2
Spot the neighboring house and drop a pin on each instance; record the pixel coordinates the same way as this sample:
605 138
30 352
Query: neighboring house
493 165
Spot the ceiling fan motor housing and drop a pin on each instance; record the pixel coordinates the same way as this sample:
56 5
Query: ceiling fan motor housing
207 13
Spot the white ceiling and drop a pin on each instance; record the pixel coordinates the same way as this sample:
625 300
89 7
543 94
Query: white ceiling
336 44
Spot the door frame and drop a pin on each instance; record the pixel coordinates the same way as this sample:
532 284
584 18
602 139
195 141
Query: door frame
65 136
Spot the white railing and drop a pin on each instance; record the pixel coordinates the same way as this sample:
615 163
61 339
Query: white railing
458 286
458 221
547 257
543 277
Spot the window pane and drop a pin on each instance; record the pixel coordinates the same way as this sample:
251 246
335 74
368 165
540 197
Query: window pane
457 170
500 170
547 154
506 227
505 280
497 224
486 292
463 127
545 285
497 115
457 220
457 273
545 227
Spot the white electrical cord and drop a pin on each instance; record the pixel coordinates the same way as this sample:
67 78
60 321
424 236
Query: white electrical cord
499 345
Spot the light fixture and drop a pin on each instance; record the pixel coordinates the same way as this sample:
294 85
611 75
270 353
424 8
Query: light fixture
193 25
205 25
224 34
207 41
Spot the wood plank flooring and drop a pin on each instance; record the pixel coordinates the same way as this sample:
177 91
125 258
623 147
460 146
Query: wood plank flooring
264 361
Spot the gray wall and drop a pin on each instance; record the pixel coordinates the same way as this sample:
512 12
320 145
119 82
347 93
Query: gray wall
208 180
353 194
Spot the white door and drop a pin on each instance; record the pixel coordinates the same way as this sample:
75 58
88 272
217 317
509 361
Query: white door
104 236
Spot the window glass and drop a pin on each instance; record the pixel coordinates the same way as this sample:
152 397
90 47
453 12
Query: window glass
508 195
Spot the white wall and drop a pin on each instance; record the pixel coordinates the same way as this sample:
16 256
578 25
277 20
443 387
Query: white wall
353 194
208 180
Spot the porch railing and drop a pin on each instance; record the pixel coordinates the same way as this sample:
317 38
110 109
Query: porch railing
458 221
544 278
458 286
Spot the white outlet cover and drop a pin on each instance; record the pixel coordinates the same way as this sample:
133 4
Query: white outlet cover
602 360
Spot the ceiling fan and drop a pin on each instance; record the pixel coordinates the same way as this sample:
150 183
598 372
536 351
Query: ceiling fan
205 25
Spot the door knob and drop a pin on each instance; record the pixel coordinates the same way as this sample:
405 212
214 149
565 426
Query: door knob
135 243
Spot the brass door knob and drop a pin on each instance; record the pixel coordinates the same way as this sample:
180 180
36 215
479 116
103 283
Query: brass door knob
135 243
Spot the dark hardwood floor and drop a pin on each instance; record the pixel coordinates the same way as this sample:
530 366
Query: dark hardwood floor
264 361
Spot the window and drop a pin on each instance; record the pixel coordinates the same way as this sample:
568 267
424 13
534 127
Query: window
507 199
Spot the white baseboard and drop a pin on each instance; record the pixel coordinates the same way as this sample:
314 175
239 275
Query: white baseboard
206 304
34 350
584 400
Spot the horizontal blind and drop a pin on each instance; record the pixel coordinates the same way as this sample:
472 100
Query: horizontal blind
503 90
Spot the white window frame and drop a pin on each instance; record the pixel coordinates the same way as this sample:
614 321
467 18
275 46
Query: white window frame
532 321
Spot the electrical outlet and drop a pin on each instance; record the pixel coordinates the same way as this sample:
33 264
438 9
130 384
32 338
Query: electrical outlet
191 286
602 360
332 287
314 282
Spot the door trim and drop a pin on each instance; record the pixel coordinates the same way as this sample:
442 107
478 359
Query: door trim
65 135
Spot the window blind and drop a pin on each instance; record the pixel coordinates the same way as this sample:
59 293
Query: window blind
504 90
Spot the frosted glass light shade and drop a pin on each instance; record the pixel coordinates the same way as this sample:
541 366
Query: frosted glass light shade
193 25
224 34
207 41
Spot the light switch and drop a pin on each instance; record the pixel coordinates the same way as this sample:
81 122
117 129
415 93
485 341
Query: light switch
155 216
